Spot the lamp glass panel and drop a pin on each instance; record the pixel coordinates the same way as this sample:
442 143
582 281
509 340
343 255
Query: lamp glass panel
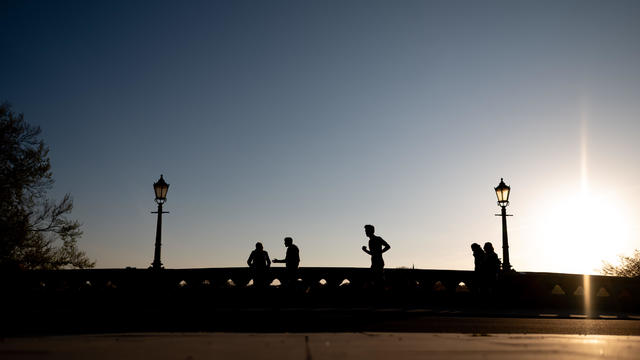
160 188
161 191
503 194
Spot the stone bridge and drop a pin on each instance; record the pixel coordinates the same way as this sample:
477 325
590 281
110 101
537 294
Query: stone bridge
332 287
323 299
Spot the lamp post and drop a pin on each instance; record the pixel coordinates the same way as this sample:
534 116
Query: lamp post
160 188
502 192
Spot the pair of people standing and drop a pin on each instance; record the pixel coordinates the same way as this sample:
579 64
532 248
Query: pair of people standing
486 266
259 263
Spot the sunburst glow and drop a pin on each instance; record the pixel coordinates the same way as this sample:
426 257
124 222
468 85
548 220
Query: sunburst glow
588 226
585 229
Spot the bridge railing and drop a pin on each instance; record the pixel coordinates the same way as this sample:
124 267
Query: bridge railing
318 286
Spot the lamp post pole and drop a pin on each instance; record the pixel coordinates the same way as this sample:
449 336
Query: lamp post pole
160 188
506 265
502 192
157 265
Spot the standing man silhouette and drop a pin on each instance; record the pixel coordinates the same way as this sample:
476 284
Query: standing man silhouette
292 260
491 267
479 258
259 264
377 246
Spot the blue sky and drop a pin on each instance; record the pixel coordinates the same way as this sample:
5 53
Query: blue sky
310 119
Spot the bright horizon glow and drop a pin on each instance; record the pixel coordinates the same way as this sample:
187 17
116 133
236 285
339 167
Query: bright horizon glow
588 226
584 229
591 226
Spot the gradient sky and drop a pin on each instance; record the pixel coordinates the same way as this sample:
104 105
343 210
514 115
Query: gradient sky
312 118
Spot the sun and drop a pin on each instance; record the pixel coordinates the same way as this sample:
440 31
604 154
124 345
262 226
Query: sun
583 230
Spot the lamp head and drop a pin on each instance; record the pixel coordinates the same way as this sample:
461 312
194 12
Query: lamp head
502 192
161 188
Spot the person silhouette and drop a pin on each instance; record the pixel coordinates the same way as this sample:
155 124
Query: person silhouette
377 246
491 266
259 264
291 261
478 261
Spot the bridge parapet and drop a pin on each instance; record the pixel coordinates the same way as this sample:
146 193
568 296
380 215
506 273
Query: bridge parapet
318 286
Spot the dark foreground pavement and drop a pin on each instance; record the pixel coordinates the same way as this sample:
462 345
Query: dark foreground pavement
317 320
482 325
316 346
332 334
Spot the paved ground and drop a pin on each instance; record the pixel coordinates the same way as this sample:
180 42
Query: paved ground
319 320
487 325
397 346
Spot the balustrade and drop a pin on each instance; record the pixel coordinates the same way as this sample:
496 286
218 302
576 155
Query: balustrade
337 286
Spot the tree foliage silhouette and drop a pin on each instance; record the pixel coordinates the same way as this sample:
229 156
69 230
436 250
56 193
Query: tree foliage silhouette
629 266
35 232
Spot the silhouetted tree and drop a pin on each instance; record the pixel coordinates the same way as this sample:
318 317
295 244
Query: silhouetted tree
629 266
34 230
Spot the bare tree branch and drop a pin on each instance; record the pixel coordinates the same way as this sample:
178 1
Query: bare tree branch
35 232
629 266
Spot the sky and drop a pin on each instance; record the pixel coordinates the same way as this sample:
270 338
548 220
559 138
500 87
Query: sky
311 119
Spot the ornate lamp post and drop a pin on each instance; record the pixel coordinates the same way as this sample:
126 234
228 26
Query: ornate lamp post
160 188
502 192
